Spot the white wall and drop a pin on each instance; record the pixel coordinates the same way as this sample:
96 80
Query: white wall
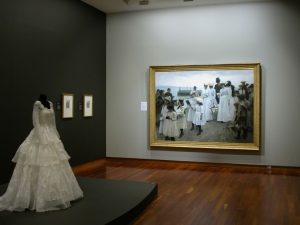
234 33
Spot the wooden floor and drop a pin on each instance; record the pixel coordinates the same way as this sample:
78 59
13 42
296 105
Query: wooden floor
209 194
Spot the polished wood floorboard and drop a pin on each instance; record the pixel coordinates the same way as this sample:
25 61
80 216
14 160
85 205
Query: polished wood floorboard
208 194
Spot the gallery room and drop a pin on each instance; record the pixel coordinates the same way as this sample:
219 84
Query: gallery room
153 112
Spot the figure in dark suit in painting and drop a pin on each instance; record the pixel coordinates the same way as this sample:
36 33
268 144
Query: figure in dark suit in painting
218 88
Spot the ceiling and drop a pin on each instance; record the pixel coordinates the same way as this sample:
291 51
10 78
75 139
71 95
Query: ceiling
115 6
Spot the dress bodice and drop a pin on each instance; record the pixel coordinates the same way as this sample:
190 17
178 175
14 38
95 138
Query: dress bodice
45 117
44 122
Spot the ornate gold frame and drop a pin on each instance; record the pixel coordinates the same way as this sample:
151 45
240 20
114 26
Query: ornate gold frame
196 145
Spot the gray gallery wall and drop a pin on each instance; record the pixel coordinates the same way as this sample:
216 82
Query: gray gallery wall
265 32
51 46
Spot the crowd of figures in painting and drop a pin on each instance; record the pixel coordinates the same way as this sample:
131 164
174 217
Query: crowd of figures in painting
220 102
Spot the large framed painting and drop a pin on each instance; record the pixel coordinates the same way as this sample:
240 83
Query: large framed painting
205 107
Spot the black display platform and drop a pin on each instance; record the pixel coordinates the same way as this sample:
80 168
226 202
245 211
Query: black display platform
104 202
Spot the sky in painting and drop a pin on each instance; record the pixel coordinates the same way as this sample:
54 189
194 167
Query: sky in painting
188 79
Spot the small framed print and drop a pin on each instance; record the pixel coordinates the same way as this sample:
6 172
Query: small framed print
67 106
88 105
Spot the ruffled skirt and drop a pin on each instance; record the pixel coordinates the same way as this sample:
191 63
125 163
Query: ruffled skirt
42 179
170 128
197 119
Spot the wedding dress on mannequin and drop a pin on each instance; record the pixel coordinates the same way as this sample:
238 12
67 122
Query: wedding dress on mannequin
42 179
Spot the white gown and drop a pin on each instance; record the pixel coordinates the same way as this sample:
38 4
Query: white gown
224 108
206 105
199 116
191 112
170 125
181 122
42 179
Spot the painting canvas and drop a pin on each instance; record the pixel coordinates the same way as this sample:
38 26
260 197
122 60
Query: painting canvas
205 106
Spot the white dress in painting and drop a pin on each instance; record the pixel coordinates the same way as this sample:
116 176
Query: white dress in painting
181 122
191 111
170 125
206 105
212 97
42 179
163 114
232 100
224 106
199 116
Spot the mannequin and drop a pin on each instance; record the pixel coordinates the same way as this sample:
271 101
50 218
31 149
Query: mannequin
44 100
42 179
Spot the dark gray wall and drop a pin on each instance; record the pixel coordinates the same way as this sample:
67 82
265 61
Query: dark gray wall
52 47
